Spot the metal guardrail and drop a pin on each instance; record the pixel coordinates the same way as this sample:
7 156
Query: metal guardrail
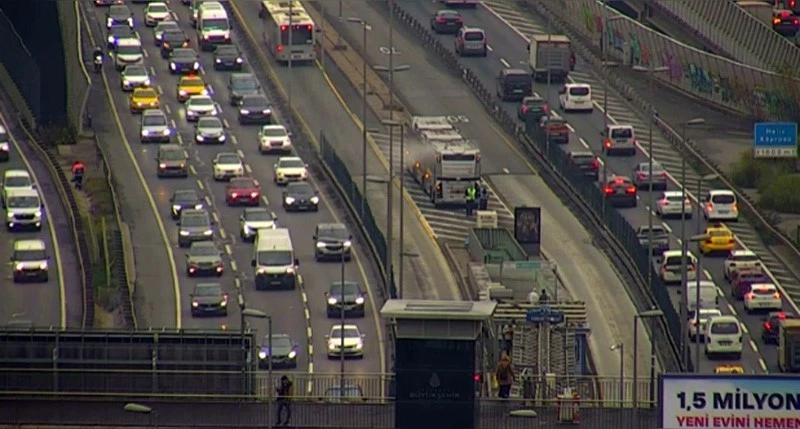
747 205
583 198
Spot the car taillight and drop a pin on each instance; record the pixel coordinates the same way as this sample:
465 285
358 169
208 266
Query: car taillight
710 206
595 164
776 21
524 109
691 267
641 175
608 190
781 316
459 20
694 322
441 20
776 295
439 189
607 143
630 190
665 203
750 295
234 195
254 195
795 21
663 174
279 48
736 207
709 241
162 165
767 326
545 108
731 241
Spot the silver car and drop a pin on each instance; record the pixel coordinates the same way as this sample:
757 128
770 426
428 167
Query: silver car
471 41
200 105
643 176
204 259
163 27
194 225
253 219
155 127
209 129
134 76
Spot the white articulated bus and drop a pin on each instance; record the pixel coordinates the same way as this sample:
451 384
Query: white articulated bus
289 31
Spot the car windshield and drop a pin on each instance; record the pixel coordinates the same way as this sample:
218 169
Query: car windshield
674 260
533 102
30 255
278 342
184 54
201 102
656 230
257 102
725 328
645 167
350 288
208 123
203 250
258 216
186 197
23 202
719 233
448 14
194 220
706 313
119 12
763 290
339 232
241 84
135 71
723 199
119 31
168 26
192 81
154 120
174 36
215 24
172 155
273 132
579 91
226 51
299 189
228 159
674 198
275 257
208 290
348 333
291 163
145 93
158 8
624 133
18 182
129 50
583 159
243 183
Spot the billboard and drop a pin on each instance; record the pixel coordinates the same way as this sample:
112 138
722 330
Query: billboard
729 401
528 225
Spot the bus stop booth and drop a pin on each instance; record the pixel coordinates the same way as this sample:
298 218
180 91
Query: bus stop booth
436 361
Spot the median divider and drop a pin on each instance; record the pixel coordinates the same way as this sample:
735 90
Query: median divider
583 197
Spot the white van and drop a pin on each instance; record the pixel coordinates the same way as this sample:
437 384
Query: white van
274 262
619 139
672 265
723 337
14 179
720 204
24 209
709 297
213 26
576 97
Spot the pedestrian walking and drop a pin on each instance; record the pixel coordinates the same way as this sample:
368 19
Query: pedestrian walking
284 391
470 194
484 199
544 297
78 170
508 338
504 376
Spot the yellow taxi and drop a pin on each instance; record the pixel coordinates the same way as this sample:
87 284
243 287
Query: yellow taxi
189 86
728 369
143 99
718 239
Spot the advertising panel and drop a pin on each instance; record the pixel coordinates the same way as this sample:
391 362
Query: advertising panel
729 401
527 225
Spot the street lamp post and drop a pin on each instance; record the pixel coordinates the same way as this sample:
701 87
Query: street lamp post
256 314
133 407
342 322
366 28
707 178
651 70
642 315
397 124
684 247
621 348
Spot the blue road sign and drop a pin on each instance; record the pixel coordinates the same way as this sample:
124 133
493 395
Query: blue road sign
544 314
775 140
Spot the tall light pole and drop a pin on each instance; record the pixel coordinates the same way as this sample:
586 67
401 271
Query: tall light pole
390 203
651 71
342 322
252 313
397 124
133 407
291 30
699 236
684 247
642 315
621 348
366 28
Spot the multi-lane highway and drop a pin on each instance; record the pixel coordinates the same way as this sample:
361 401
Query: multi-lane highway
506 32
59 301
299 313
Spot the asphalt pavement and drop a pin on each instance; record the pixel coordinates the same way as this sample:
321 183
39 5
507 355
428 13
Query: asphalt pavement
299 313
505 30
59 301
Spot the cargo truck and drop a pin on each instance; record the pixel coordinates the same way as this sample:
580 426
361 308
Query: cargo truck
789 345
551 58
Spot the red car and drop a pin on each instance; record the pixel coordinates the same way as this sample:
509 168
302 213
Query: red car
242 191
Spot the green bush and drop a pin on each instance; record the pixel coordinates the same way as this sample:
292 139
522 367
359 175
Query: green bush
782 194
749 172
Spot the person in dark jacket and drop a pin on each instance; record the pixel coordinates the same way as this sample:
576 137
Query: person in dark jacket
284 391
504 376
484 199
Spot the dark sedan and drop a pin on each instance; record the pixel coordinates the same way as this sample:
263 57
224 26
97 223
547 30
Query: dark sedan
241 84
446 22
107 2
119 14
533 107
117 32
171 40
771 327
587 163
228 57
620 191
300 196
283 353
184 61
255 109
184 199
208 299
345 299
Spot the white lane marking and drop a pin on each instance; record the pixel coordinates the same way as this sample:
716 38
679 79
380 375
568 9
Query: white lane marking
506 170
228 249
168 109
240 153
753 346
180 139
237 283
248 170
763 364
173 124
144 52
234 140
160 90
489 48
225 123
222 233
572 130
192 170
152 71
208 200
707 274
216 217
667 227
201 186
583 142
233 265
265 200
505 63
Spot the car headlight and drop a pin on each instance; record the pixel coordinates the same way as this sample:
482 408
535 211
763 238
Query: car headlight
217 60
10 215
182 92
239 61
304 174
176 208
224 303
195 304
262 354
261 271
38 213
196 65
289 200
244 112
198 207
320 245
43 265
172 66
246 229
145 132
110 39
347 244
292 354
359 345
208 232
4 147
360 300
109 21
184 233
147 82
266 111
315 200
199 138
190 112
331 346
126 82
19 266
165 132
289 270
204 91
332 301
222 137
130 22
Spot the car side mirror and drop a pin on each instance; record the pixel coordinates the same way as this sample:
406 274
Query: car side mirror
178 223
253 263
241 218
274 165
297 262
327 336
562 91
11 259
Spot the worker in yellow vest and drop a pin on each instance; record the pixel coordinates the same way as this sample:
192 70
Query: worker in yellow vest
470 195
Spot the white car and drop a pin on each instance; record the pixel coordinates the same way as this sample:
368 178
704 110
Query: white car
697 328
134 76
15 179
576 97
5 145
720 204
672 267
209 130
227 165
274 138
724 337
740 260
253 219
762 296
348 342
156 12
200 105
672 204
289 169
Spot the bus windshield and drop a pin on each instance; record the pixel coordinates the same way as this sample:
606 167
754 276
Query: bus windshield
302 34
